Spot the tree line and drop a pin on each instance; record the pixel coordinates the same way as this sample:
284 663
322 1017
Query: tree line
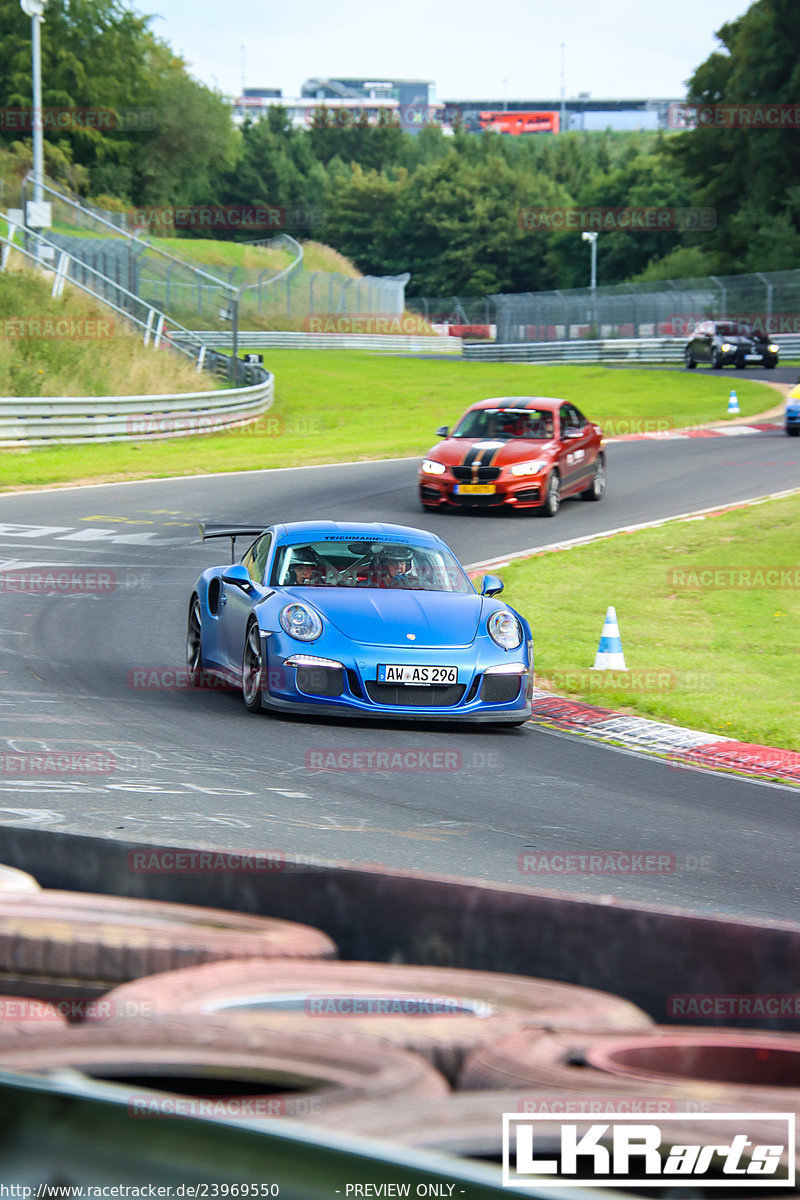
448 209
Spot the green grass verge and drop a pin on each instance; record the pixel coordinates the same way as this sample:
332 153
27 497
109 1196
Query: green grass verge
344 405
719 658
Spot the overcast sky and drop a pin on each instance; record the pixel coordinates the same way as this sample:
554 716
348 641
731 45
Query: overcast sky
467 47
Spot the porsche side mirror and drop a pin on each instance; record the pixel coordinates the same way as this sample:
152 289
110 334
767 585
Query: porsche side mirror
237 574
442 431
491 585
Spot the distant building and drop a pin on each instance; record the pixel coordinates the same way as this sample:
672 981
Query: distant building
408 103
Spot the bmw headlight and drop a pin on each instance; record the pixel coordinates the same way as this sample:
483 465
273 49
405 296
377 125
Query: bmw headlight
431 467
505 629
301 622
529 468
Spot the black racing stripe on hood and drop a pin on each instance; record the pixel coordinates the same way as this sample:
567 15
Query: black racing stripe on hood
469 457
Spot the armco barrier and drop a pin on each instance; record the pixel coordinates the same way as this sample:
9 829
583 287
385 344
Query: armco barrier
610 350
62 420
390 343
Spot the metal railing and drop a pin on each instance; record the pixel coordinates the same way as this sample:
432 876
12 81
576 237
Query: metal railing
257 339
611 350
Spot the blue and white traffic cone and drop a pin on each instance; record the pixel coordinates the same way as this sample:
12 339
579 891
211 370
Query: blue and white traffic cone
609 655
733 405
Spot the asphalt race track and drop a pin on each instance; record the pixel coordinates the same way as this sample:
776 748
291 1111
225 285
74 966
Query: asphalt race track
195 768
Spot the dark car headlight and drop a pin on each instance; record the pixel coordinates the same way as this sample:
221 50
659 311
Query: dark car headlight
505 629
300 622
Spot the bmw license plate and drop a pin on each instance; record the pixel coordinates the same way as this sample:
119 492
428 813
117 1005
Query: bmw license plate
395 673
475 489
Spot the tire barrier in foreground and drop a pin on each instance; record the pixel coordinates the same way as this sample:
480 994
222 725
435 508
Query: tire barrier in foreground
60 944
162 1062
441 1013
716 1065
470 1124
14 881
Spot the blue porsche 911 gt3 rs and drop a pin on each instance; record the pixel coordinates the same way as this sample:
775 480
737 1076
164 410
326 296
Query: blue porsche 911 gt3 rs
342 618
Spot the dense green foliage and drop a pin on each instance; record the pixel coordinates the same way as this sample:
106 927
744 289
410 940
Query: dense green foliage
444 208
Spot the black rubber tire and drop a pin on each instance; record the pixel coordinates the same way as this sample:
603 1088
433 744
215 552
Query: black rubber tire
690 362
716 361
252 668
793 432
530 1059
62 944
552 496
502 1002
592 493
203 1058
740 366
194 645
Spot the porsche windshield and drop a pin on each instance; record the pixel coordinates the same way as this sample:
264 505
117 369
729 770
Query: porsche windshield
502 424
365 564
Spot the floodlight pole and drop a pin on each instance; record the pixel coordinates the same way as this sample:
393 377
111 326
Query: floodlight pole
35 10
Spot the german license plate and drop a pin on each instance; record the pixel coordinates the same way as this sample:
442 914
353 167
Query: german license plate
753 357
396 673
475 489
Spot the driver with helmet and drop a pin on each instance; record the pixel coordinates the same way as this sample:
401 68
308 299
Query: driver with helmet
393 566
304 569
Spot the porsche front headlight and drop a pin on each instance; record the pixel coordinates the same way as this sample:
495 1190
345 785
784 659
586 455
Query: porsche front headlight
301 622
773 349
726 346
505 629
529 468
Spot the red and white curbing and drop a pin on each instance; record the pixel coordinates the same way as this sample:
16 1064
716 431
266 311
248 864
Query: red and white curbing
683 747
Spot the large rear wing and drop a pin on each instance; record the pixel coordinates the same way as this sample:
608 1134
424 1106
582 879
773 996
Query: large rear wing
229 531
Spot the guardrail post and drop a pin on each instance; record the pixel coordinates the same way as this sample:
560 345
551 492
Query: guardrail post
201 358
151 314
159 332
60 275
12 229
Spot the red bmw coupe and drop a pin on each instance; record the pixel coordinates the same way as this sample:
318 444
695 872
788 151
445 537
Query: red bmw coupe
519 451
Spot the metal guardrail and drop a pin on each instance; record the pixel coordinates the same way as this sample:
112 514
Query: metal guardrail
64 420
388 343
611 350
606 350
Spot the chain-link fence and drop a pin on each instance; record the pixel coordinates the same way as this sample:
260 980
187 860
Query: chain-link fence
282 294
663 308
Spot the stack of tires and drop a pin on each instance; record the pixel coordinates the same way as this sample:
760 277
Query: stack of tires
198 1011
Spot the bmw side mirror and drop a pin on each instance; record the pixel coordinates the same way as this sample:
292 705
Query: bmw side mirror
442 431
491 585
237 574
571 433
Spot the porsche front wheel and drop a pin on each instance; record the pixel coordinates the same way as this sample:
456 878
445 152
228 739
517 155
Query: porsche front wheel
252 669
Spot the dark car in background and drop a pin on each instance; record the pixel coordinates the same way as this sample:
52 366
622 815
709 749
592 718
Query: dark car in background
719 343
